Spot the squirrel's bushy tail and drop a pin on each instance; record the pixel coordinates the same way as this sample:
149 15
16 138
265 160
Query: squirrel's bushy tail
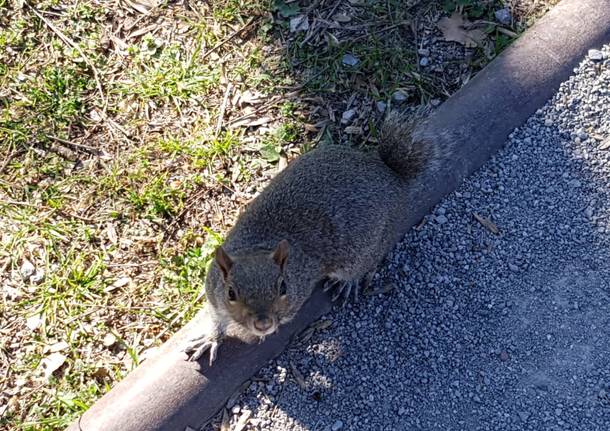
404 149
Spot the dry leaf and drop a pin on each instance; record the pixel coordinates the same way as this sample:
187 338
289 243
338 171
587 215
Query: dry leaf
306 334
225 424
111 233
142 6
488 224
243 421
252 122
321 324
52 363
382 290
353 130
58 347
120 282
299 23
298 376
605 145
33 322
457 29
340 17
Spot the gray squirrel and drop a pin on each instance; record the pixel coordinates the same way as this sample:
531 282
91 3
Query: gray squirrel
332 215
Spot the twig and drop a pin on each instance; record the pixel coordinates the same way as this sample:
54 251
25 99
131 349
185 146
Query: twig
8 160
227 39
45 207
87 148
257 111
319 28
170 229
73 44
223 107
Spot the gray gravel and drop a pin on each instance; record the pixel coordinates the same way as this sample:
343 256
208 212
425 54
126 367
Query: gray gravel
479 331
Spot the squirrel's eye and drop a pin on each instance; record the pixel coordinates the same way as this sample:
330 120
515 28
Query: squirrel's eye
283 288
232 294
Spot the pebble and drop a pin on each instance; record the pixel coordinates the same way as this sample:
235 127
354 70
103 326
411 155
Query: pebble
441 219
27 269
350 60
337 425
399 96
596 55
381 106
503 16
348 116
424 61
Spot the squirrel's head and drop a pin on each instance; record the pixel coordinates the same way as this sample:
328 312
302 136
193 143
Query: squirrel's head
255 290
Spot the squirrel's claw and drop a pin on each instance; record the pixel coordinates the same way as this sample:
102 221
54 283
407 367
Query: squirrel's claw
343 289
198 346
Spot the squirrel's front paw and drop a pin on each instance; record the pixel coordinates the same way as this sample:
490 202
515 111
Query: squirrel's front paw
342 288
199 345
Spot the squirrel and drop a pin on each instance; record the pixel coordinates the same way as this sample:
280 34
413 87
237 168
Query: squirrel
330 216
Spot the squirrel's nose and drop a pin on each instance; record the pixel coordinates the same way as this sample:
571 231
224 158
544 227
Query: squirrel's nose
263 323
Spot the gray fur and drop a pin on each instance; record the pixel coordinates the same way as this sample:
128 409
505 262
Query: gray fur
340 209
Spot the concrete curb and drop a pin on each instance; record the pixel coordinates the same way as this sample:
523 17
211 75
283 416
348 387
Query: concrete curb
168 393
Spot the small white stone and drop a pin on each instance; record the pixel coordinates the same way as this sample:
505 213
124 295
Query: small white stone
399 96
348 116
503 16
337 425
596 55
109 339
27 269
350 60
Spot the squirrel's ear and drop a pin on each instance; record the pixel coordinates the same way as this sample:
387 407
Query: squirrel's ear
280 254
224 261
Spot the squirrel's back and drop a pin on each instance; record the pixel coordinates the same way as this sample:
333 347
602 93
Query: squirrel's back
325 199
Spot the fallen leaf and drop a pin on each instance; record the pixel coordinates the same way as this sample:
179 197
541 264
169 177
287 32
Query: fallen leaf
225 424
457 29
58 347
306 334
101 373
354 130
383 289
142 6
321 324
298 376
487 224
270 152
252 122
605 145
286 9
118 283
33 322
251 98
340 17
52 363
111 233
282 163
299 23
243 420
